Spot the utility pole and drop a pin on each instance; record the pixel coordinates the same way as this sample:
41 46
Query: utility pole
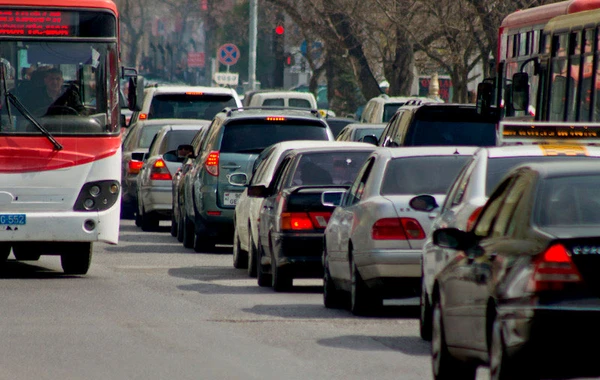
253 36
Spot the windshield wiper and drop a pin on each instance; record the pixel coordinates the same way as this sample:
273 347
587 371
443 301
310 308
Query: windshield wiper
10 98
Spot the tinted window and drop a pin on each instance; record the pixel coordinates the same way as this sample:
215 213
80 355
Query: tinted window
176 138
182 106
273 102
148 133
498 167
569 201
330 168
336 126
360 133
389 110
421 175
302 103
254 137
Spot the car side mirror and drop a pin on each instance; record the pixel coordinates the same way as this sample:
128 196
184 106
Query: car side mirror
454 238
371 139
258 191
332 198
238 179
425 203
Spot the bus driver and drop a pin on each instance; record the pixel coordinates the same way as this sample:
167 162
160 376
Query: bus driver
52 98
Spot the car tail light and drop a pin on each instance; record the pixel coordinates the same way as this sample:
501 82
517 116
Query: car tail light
134 166
212 163
160 172
553 269
473 218
143 116
397 229
296 221
319 219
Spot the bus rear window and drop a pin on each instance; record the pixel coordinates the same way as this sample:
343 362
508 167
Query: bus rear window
182 106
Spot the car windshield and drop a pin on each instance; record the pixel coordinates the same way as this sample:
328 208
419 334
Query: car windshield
498 167
421 175
389 110
569 201
61 85
188 106
329 168
254 136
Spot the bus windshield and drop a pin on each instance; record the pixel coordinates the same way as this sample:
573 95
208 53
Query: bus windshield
67 87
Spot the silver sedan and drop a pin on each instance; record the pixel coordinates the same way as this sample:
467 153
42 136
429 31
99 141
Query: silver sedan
373 241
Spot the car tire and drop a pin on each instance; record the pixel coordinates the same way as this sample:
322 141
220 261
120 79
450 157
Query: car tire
332 297
425 313
77 259
21 254
501 366
203 244
252 258
188 233
138 218
127 211
149 221
180 227
444 365
362 299
281 280
173 225
263 278
240 257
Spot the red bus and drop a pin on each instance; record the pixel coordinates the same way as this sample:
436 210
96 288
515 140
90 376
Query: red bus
520 42
60 143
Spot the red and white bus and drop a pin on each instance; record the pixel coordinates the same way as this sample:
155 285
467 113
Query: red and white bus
520 42
59 162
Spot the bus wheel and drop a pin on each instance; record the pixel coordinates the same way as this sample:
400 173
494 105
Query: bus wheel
20 252
77 258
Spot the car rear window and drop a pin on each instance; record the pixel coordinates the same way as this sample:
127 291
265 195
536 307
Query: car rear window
329 168
254 136
389 110
498 167
147 135
176 138
360 133
300 103
421 175
188 106
278 102
569 201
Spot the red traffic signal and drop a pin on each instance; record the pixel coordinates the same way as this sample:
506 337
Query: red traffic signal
289 60
279 29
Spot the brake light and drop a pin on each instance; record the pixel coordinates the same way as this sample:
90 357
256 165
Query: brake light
296 221
397 229
212 163
160 172
473 218
553 269
143 116
194 93
273 118
134 166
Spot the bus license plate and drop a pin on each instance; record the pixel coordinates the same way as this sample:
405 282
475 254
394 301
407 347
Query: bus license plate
231 198
12 219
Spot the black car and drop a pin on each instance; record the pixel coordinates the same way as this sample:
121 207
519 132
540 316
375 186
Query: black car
523 292
293 217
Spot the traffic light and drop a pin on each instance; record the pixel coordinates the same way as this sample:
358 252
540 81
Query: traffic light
289 60
278 54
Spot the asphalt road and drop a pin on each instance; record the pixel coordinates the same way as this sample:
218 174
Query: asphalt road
151 309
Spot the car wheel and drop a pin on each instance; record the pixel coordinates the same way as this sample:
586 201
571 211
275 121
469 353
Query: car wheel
180 227
173 225
4 252
263 279
281 280
501 367
425 313
21 254
362 300
77 258
240 257
203 244
149 221
138 218
252 258
188 233
127 211
332 297
445 366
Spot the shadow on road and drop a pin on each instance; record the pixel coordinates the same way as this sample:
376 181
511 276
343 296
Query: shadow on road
307 311
409 345
13 269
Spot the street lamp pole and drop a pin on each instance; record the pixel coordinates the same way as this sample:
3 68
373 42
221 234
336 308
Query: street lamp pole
253 36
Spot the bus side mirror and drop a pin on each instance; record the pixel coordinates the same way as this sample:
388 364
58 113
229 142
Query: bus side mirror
135 95
485 93
520 91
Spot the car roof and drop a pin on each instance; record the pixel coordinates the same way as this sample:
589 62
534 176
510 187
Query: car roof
336 146
365 125
181 127
540 150
563 169
275 94
166 89
424 151
173 122
257 112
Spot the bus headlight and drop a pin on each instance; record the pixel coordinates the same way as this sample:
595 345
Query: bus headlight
97 196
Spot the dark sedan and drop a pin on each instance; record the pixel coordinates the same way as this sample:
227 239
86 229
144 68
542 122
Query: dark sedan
523 292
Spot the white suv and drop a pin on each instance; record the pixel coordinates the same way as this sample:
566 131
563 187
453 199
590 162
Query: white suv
185 102
381 108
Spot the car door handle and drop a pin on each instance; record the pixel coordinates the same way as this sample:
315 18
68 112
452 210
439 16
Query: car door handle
231 166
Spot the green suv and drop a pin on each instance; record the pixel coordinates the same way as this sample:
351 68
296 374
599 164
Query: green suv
225 163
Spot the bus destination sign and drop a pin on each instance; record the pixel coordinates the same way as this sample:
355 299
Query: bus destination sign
44 23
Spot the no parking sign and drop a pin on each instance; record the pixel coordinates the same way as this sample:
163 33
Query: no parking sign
228 54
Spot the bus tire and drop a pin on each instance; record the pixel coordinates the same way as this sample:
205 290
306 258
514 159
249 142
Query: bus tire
77 258
21 254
